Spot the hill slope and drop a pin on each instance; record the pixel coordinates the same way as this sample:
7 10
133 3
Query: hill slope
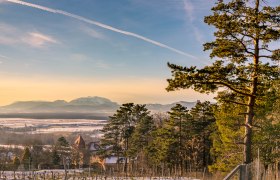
91 104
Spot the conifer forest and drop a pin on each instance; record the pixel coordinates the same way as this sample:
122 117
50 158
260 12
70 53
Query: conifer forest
234 136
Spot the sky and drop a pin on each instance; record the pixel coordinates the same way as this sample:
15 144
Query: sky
115 49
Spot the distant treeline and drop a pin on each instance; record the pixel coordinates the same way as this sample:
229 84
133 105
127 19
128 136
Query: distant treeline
94 116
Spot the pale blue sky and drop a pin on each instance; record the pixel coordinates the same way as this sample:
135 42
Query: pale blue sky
47 56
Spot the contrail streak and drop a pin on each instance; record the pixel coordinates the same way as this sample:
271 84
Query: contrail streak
56 11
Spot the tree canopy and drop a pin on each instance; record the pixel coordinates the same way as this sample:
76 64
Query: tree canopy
245 64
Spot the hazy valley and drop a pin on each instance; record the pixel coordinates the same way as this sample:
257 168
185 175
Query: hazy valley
86 115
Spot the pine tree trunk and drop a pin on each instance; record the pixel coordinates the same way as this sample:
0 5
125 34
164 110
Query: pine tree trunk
248 133
252 99
125 162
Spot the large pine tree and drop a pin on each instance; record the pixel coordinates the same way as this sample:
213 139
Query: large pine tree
245 64
126 132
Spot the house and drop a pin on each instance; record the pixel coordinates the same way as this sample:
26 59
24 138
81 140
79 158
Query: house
94 147
79 143
79 155
88 154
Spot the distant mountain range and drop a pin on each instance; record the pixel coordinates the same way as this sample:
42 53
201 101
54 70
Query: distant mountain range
81 105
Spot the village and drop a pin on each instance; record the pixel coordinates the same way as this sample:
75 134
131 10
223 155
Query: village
79 154
80 160
75 160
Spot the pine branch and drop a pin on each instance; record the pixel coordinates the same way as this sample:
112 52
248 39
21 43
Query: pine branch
232 88
242 43
239 103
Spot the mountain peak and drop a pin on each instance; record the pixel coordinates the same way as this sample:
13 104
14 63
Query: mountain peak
81 105
91 100
60 101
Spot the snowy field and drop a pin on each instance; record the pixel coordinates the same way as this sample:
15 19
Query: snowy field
35 126
73 174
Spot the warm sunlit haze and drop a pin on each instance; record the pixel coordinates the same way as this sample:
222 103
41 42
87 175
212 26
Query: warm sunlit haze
67 49
121 91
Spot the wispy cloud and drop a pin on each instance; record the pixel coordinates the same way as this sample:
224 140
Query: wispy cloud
198 35
9 35
36 39
93 33
3 57
190 13
80 18
82 58
102 65
78 57
189 9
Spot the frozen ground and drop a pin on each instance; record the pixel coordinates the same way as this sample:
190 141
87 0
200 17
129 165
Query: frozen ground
51 125
73 174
